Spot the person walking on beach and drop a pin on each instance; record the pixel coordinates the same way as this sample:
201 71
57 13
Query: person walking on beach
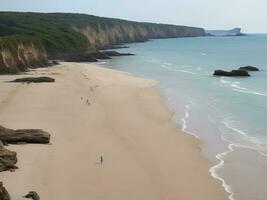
101 160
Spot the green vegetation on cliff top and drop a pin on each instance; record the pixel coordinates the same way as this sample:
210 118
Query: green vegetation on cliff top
55 36
55 30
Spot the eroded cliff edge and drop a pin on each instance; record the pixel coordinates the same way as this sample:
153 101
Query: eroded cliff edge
21 56
28 40
104 35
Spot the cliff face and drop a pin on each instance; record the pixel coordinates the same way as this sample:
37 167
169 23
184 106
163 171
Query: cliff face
61 34
21 57
104 35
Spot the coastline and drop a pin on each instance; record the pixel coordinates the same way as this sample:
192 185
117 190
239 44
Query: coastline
124 123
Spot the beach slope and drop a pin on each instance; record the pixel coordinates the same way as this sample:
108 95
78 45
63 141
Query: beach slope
92 112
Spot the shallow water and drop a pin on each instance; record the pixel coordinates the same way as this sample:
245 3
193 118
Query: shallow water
228 114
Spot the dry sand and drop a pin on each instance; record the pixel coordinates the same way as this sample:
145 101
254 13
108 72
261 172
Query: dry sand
125 121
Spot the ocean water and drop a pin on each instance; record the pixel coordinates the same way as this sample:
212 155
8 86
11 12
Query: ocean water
228 114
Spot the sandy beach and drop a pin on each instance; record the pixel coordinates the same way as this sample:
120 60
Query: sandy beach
92 112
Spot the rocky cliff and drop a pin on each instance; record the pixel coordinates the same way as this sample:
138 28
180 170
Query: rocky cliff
105 35
21 56
64 33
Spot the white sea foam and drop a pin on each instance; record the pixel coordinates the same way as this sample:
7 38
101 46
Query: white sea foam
248 91
177 70
231 146
245 140
228 82
235 86
182 68
185 71
165 67
185 119
219 157
169 64
214 174
102 63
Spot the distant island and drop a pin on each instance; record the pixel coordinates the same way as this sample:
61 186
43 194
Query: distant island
29 40
232 32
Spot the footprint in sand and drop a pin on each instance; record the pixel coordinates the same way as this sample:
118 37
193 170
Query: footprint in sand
87 102
85 76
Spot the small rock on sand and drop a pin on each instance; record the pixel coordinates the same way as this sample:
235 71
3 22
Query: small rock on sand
32 195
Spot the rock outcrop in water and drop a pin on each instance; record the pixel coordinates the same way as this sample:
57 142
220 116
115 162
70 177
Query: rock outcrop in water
242 71
115 53
231 73
24 136
249 68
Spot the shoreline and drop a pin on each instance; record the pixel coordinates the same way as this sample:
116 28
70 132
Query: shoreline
149 169
219 157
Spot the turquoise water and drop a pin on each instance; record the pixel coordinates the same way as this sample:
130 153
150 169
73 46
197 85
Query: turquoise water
228 114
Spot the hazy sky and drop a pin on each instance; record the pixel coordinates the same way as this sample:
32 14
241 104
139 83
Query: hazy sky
251 15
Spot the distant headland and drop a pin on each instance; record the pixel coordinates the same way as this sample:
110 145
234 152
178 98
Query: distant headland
232 32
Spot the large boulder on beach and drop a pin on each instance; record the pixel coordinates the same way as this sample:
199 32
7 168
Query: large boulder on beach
32 195
24 136
231 73
3 193
249 68
8 159
43 79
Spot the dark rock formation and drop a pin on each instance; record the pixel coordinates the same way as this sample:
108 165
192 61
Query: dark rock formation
115 53
80 57
54 62
8 159
42 79
231 73
119 46
24 136
249 68
3 193
32 195
91 56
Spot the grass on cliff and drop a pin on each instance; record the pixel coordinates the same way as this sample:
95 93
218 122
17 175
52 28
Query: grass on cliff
55 36
11 42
